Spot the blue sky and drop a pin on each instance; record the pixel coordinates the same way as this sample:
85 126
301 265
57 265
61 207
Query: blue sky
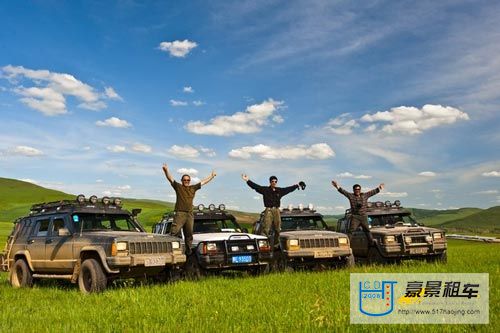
95 97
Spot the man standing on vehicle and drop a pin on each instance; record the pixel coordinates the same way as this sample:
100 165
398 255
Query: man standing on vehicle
183 211
272 201
359 203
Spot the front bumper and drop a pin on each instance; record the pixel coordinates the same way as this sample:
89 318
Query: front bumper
413 250
317 254
146 260
222 261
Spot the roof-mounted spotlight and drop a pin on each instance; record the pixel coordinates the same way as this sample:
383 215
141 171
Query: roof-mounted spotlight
379 204
301 207
80 198
369 204
201 207
290 207
105 200
310 206
117 202
93 199
211 207
222 207
397 203
387 203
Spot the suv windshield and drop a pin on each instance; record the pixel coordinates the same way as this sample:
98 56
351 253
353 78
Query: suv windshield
102 222
218 225
302 223
396 219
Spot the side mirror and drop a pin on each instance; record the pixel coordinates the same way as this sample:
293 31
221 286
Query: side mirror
63 232
136 211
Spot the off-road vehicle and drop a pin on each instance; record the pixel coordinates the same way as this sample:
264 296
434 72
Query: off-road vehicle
86 241
307 241
219 243
397 235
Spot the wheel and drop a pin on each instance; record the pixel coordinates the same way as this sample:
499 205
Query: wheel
349 261
440 258
21 275
259 270
91 278
374 256
192 269
280 263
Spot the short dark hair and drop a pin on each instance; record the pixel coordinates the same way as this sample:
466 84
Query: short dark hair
273 178
186 175
356 186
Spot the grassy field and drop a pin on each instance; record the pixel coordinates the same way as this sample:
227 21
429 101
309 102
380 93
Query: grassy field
292 302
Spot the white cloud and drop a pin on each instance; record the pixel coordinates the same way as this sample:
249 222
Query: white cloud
491 174
249 121
184 151
198 103
113 122
86 148
47 95
141 148
25 151
427 174
174 102
342 125
124 187
117 149
350 175
393 194
208 152
188 89
177 48
99 181
187 171
487 192
411 120
112 94
436 191
318 151
278 119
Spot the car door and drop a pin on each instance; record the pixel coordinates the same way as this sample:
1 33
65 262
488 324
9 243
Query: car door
36 243
59 248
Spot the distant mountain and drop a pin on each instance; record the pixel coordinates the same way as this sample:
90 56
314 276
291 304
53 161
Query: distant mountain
485 221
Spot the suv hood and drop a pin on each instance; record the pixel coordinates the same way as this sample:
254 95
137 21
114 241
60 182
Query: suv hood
311 233
403 230
220 236
129 236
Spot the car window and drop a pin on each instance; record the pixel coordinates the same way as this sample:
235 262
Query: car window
103 222
57 224
301 223
42 227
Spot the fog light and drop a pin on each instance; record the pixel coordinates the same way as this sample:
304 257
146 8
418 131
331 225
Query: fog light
408 240
176 245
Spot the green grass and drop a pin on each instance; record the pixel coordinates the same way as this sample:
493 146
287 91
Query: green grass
440 217
294 302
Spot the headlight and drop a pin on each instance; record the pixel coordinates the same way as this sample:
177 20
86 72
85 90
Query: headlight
263 243
428 239
293 244
176 245
390 239
408 239
250 247
121 246
343 241
211 246
437 235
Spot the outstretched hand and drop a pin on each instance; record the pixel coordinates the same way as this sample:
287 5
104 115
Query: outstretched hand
165 167
213 174
335 184
245 177
381 186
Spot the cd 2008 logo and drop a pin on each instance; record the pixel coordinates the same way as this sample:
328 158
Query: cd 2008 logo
376 297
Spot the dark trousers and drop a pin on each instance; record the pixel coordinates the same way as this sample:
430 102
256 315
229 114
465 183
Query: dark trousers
356 221
184 221
272 222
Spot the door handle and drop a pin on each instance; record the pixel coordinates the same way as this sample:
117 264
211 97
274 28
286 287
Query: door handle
31 241
48 241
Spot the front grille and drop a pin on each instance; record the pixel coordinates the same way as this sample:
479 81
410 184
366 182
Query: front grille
418 239
149 247
319 242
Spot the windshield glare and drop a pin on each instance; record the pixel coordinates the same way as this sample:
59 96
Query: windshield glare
383 220
101 222
302 223
220 225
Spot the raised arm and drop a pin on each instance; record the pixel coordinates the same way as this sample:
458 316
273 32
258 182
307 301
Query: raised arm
339 188
167 174
256 187
286 190
209 178
375 190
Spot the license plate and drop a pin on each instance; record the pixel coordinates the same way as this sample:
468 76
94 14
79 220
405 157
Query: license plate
155 261
241 259
323 254
418 250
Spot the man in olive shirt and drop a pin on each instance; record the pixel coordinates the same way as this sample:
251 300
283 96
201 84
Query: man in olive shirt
183 211
359 203
272 201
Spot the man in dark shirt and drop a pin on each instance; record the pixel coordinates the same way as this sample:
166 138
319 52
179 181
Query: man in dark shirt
272 201
183 211
359 203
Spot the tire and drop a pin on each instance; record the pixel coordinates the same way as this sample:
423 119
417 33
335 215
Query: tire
21 275
349 261
280 263
91 278
374 256
192 269
259 270
439 258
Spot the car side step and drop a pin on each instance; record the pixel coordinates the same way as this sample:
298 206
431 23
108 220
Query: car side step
53 276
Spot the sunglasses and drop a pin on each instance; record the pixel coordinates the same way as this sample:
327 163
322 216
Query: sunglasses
274 181
186 180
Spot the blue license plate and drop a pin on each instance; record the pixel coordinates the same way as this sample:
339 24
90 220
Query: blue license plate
242 259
